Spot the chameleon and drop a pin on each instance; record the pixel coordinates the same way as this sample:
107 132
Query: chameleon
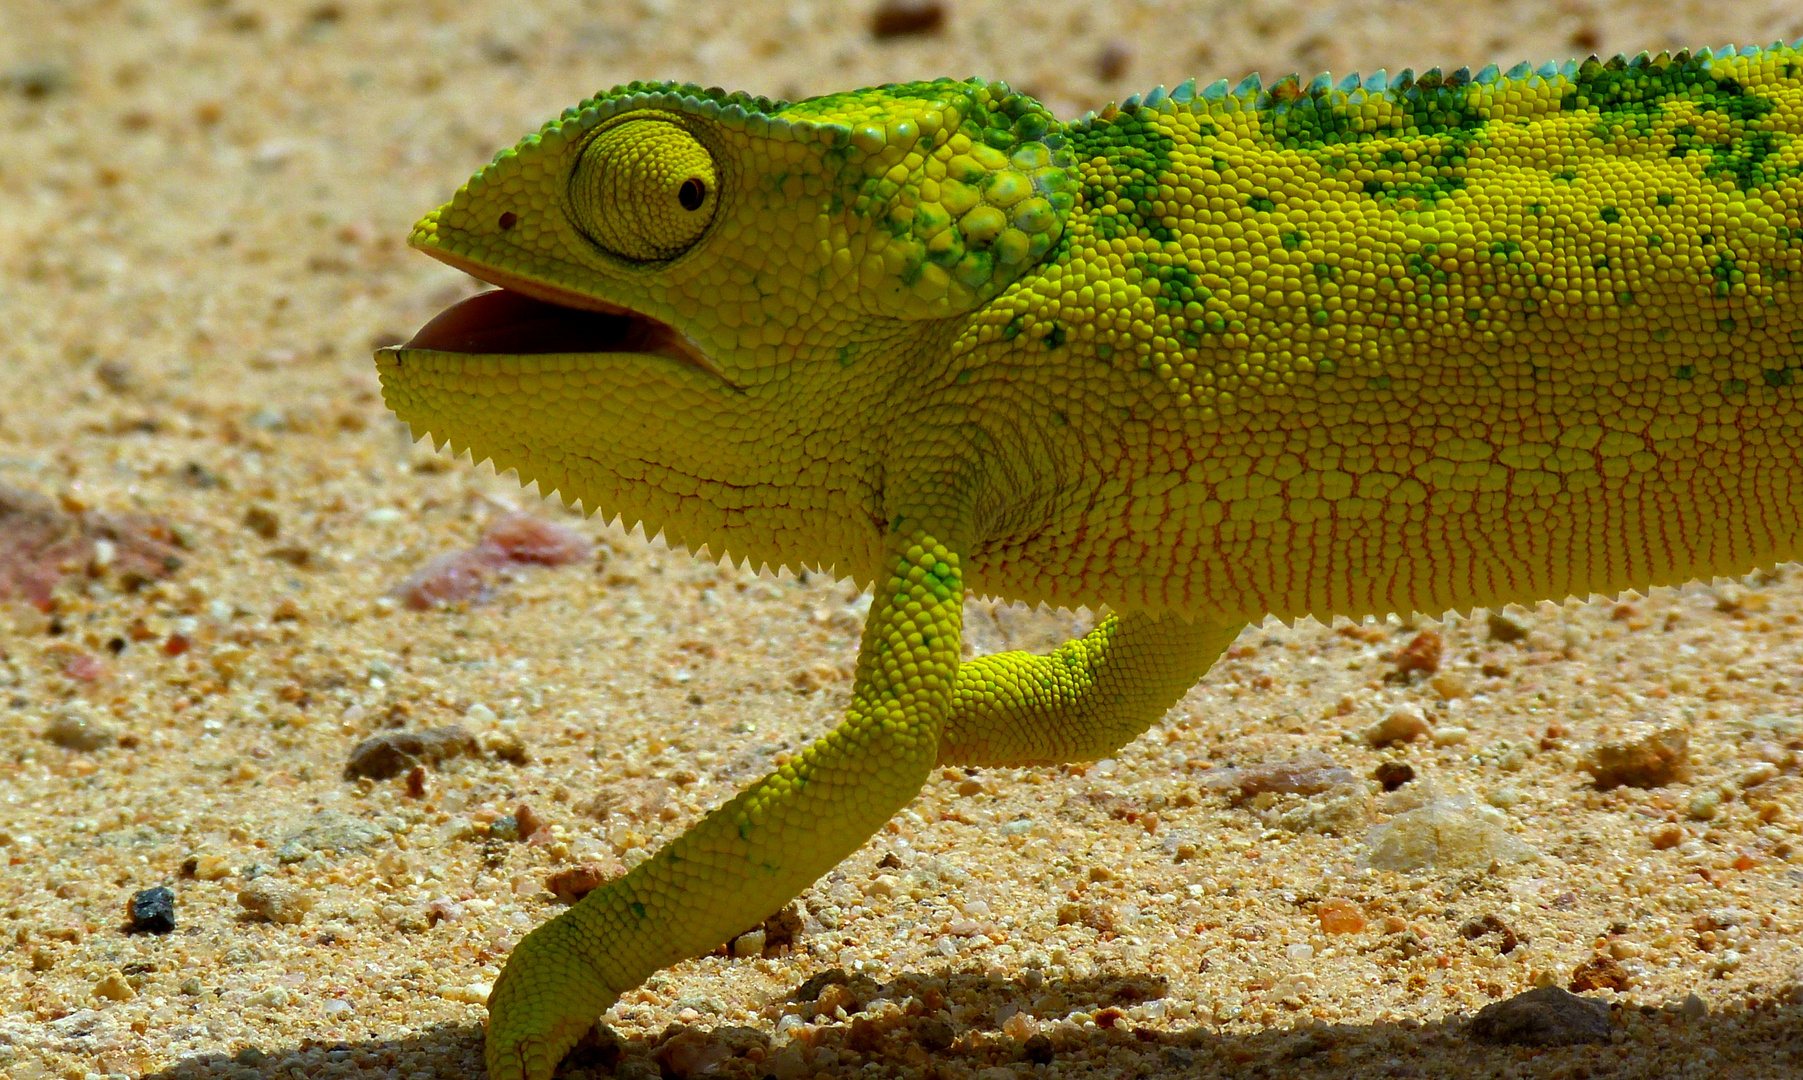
1422 342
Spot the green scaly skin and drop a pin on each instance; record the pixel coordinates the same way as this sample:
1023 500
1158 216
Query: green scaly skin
1412 344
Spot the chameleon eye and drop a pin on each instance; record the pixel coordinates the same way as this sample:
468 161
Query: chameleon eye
644 190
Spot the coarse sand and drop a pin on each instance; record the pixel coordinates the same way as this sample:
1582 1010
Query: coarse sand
202 207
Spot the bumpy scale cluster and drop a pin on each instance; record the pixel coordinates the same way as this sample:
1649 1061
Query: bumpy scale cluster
1429 342
968 185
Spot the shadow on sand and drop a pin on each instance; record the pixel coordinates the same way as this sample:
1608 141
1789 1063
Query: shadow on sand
1753 1039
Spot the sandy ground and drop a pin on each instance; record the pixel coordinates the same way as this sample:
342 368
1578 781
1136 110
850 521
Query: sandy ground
200 213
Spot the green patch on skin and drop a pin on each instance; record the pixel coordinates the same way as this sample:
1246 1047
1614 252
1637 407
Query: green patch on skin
1424 161
1177 287
1639 93
1129 152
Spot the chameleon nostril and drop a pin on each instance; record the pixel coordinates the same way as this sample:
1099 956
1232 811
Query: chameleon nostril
508 220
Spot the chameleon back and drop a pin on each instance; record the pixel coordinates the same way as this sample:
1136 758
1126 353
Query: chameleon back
1414 344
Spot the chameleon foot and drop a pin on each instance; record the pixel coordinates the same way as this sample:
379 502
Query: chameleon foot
546 997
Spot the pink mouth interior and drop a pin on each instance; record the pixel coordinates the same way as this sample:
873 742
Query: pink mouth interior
504 321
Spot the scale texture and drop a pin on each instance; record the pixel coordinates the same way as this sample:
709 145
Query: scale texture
1387 344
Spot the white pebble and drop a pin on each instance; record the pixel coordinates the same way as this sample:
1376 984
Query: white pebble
1450 735
1299 951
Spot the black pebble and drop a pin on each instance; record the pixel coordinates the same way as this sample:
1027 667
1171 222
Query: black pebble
152 911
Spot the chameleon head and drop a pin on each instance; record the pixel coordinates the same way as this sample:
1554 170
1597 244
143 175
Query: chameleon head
695 286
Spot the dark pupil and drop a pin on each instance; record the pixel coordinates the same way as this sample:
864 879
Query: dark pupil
691 193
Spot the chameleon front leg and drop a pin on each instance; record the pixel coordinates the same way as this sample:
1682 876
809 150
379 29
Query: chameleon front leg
1084 700
754 854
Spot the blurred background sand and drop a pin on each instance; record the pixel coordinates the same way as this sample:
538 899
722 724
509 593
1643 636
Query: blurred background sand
202 209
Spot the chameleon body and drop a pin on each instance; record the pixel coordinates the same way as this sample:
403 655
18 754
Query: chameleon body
1387 344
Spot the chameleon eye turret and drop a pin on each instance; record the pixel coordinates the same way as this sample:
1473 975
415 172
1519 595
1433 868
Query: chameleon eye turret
644 190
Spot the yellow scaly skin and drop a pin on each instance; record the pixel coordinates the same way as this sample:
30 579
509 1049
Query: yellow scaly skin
1410 344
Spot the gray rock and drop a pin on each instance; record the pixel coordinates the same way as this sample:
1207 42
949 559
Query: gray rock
1547 1016
333 831
73 730
395 752
1446 833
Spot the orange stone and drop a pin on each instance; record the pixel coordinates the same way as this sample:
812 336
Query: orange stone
1340 917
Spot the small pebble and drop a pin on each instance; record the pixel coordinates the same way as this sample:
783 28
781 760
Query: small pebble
73 730
1450 685
1340 917
113 987
1307 774
475 993
749 944
528 819
1752 777
456 577
1405 723
275 901
906 18
1704 805
1444 833
1505 629
1504 797
1422 654
1599 973
1547 1016
263 522
572 883
152 911
336 1007
1644 757
395 752
935 1035
191 986
1666 837
1114 60
1393 774
523 538
329 831
1450 735
693 1053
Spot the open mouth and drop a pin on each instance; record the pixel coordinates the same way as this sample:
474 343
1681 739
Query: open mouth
507 321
